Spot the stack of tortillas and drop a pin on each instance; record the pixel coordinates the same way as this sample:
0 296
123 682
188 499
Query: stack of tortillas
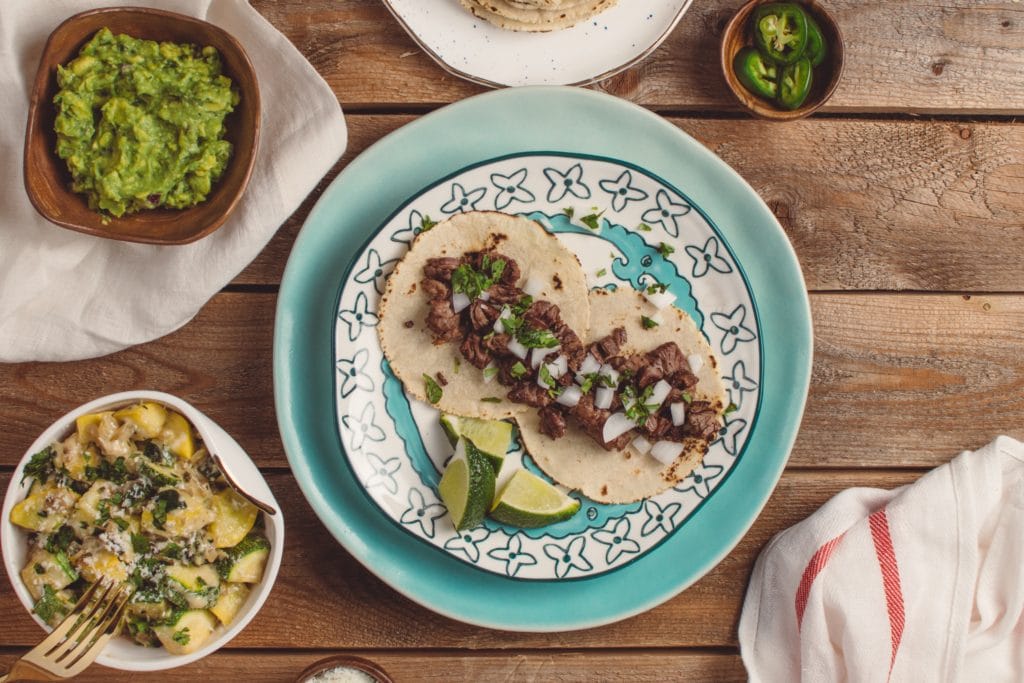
536 15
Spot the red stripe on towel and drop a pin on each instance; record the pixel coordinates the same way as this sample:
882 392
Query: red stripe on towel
879 524
813 568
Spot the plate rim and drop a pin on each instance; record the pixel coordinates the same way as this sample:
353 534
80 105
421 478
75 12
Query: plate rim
345 280
301 274
590 80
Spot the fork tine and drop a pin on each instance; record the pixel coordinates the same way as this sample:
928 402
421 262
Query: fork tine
81 658
81 625
72 648
58 634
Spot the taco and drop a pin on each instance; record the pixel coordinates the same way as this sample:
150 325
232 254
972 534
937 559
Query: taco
652 429
440 309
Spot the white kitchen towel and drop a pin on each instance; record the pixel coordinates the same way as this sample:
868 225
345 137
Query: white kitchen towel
922 583
65 295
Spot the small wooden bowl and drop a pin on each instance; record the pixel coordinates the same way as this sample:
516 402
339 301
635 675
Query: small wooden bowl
47 179
358 663
737 35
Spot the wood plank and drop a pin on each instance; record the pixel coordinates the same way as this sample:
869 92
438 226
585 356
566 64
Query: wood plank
442 667
910 56
947 217
324 598
934 374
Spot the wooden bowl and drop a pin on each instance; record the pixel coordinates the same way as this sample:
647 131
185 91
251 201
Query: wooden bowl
738 35
47 179
366 666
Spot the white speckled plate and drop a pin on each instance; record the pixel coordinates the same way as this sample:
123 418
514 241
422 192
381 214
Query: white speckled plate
587 53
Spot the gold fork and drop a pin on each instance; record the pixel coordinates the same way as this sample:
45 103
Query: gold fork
78 640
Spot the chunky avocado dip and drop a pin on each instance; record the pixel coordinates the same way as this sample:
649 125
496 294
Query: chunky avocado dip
141 124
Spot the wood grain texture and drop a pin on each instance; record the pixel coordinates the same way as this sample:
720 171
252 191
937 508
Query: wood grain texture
868 205
445 667
962 56
934 374
324 598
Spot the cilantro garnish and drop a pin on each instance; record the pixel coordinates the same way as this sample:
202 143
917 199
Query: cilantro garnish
643 227
602 272
656 288
491 399
536 339
547 378
471 282
434 391
687 397
426 224
518 370
592 221
648 323
666 249
490 372
636 407
732 408
569 212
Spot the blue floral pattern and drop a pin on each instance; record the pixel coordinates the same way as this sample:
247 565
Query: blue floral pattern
667 213
732 324
353 373
622 190
510 189
394 445
707 258
568 183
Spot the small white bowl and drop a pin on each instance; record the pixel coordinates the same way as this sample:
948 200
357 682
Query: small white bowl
122 653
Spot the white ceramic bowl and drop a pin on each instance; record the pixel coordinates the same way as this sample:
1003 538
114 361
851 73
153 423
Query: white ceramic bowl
122 653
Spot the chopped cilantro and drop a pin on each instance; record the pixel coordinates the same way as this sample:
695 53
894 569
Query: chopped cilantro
140 544
687 397
648 323
666 249
491 399
434 391
471 282
656 288
40 465
602 272
458 364
518 370
636 406
490 372
536 339
60 539
181 637
643 227
426 224
569 212
731 408
592 220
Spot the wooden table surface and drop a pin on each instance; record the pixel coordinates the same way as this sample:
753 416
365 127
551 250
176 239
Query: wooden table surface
904 199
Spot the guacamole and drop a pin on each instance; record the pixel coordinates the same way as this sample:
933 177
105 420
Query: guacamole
141 124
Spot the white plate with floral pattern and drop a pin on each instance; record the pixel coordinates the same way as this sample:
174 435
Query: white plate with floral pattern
629 229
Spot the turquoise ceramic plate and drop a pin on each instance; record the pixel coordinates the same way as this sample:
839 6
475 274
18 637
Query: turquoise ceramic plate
367 201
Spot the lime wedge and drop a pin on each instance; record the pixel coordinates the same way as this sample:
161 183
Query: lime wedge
529 502
493 437
467 486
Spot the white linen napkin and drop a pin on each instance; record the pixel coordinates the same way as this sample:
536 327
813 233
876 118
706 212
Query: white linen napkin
922 583
65 295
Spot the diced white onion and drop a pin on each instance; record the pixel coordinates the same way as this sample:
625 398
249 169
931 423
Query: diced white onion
589 365
659 393
666 452
696 362
490 372
540 354
678 413
570 396
517 349
660 299
615 426
657 318
459 302
499 327
559 366
485 296
611 373
533 286
541 383
603 398
641 445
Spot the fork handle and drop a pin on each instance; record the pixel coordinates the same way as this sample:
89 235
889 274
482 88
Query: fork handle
23 671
